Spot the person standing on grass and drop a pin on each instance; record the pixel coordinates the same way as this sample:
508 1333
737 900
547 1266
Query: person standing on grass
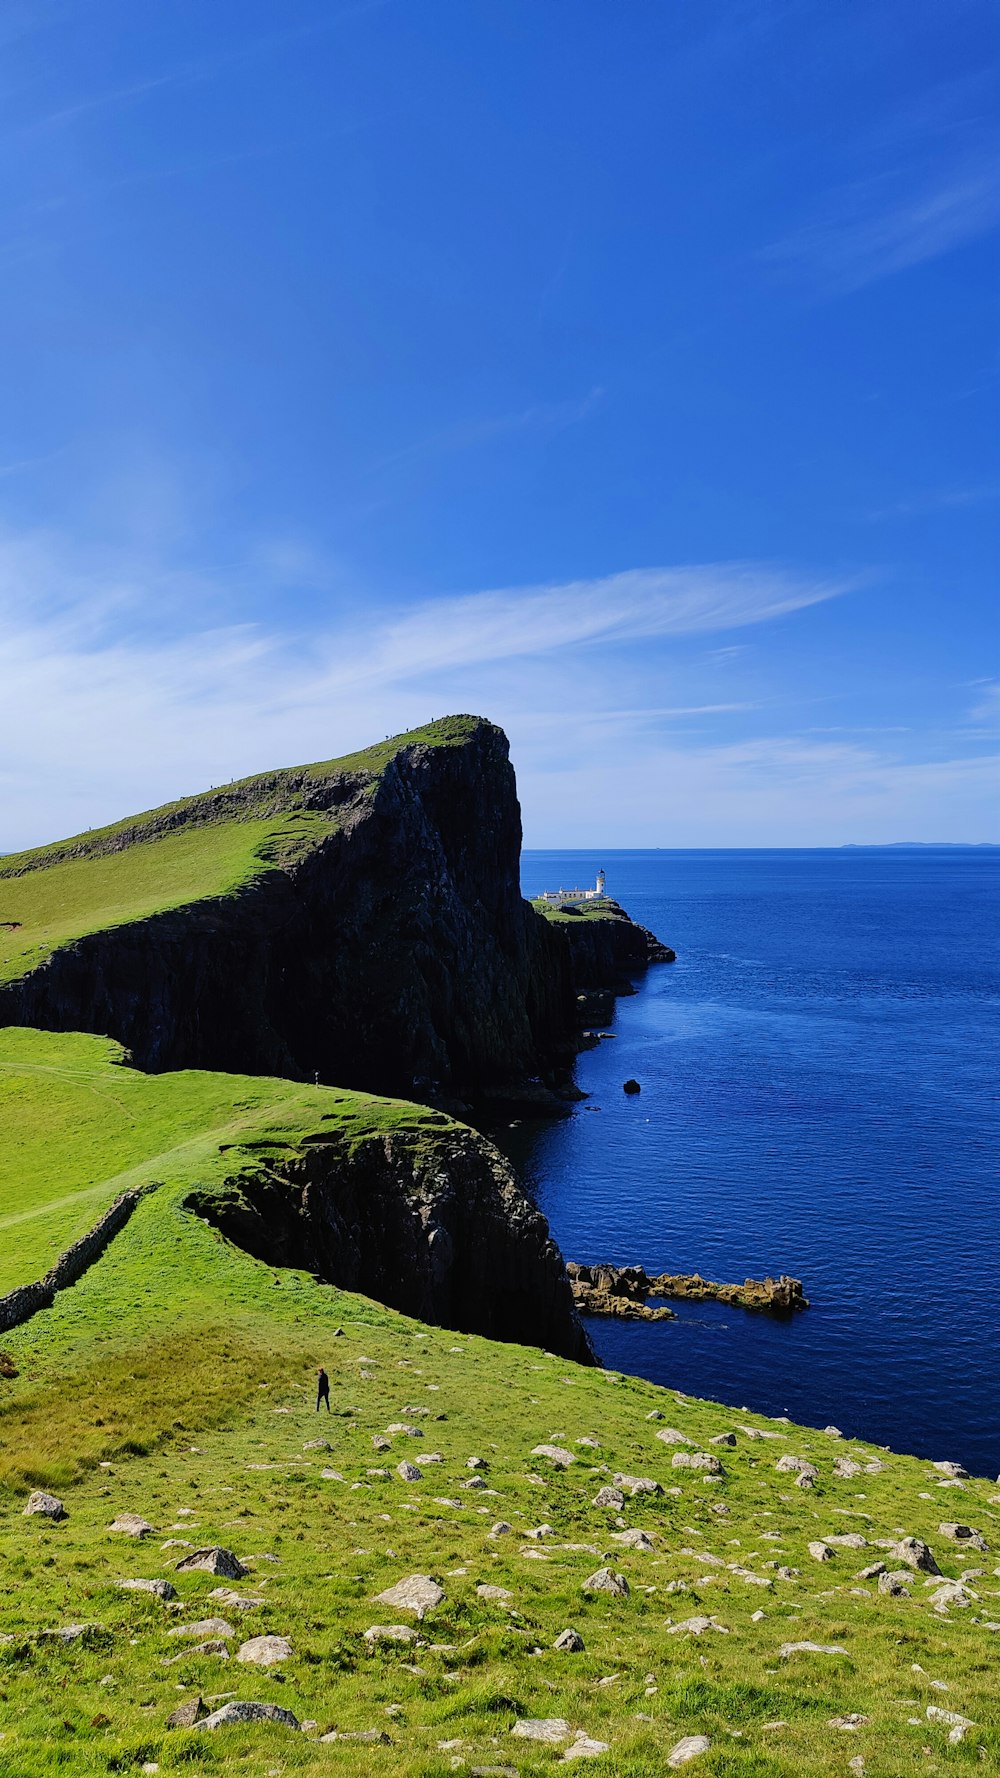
322 1389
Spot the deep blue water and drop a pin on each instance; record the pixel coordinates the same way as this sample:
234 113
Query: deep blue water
819 1097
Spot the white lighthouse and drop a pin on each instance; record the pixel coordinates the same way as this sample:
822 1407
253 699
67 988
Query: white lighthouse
600 883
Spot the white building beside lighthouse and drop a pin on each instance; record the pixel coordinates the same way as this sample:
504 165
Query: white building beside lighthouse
595 894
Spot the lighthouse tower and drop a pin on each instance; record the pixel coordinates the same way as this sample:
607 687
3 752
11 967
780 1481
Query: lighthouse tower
600 882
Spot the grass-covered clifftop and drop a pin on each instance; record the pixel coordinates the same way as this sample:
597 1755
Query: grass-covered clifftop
192 850
360 919
175 1381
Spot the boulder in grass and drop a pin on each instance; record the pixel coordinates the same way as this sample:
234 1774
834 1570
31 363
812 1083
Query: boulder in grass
964 1534
551 1730
703 1460
418 1593
788 1649
206 1626
238 1710
49 1506
555 1454
187 1714
371 1737
132 1525
916 1555
265 1651
408 1472
161 1589
612 1497
605 1580
214 1560
895 1583
569 1642
637 1484
390 1633
585 1747
687 1749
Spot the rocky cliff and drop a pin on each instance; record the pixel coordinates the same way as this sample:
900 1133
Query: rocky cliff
436 1226
393 952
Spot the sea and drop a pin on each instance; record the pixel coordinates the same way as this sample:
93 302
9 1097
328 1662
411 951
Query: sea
819 1097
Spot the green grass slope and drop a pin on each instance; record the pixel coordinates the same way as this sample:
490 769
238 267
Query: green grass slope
198 848
585 910
176 1381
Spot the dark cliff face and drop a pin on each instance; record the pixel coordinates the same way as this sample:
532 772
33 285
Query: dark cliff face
439 1229
396 955
606 952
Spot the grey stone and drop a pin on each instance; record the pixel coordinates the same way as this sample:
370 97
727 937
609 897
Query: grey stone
687 1749
964 1534
237 1601
408 1472
723 1438
851 1720
820 1552
605 1580
206 1626
585 1747
238 1710
186 1714
485 1591
696 1626
810 1648
555 1454
550 1729
161 1589
612 1497
703 1460
633 1540
418 1593
569 1642
789 1465
48 1505
132 1525
265 1651
671 1436
637 1484
895 1583
391 1633
214 1560
213 1647
916 1555
501 1529
954 1470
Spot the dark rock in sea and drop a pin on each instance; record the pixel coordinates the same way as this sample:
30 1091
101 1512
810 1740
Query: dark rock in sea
631 1086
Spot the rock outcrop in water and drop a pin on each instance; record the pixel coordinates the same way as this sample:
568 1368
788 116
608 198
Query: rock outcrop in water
623 1291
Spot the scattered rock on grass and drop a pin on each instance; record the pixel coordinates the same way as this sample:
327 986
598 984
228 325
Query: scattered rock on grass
612 1497
265 1651
390 1633
186 1714
418 1593
686 1750
555 1454
214 1560
48 1505
569 1642
550 1729
132 1525
916 1555
239 1710
964 1534
206 1626
585 1747
162 1589
408 1472
810 1648
605 1580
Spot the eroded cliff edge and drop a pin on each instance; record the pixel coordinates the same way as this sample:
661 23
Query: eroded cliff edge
388 948
434 1225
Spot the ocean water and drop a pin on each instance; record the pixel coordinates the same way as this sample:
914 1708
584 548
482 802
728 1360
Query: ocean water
820 1097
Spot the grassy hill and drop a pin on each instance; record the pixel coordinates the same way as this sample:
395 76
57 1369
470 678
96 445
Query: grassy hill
175 1380
196 849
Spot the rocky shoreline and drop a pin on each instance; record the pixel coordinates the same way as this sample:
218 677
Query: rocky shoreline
623 1291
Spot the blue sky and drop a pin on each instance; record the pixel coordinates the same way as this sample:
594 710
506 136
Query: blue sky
625 373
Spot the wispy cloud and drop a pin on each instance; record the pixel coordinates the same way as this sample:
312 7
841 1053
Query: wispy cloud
877 227
116 695
537 416
939 500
